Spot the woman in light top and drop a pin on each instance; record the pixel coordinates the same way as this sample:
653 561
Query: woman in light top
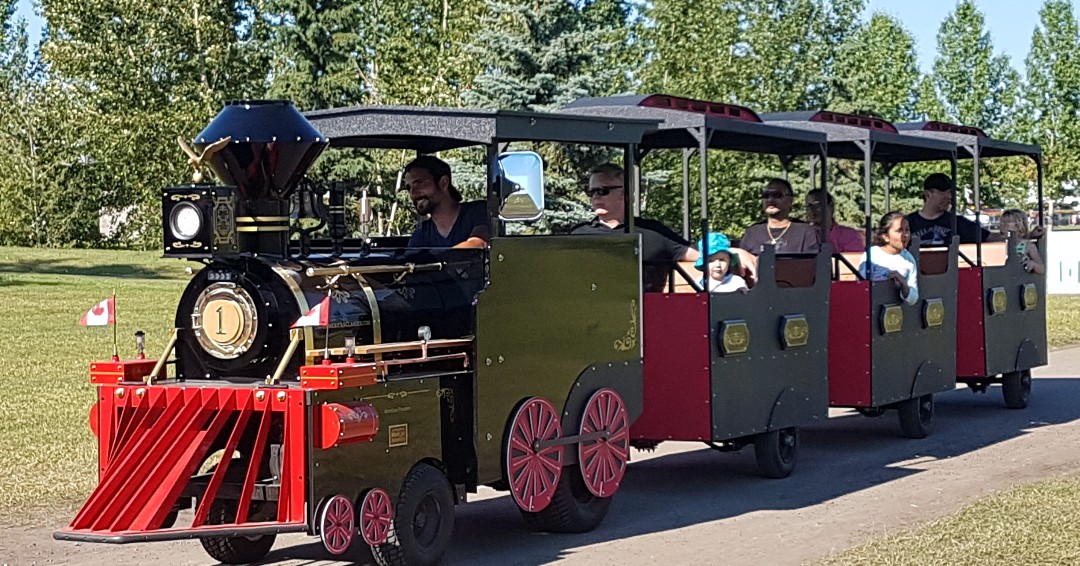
890 258
1014 220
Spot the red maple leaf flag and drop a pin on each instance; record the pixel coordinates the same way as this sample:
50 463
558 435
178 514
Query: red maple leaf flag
318 316
102 314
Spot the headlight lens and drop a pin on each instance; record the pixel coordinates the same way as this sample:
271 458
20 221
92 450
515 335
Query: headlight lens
185 222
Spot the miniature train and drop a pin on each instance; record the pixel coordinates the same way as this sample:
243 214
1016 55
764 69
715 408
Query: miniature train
438 371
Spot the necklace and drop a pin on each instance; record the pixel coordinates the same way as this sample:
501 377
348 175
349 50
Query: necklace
774 239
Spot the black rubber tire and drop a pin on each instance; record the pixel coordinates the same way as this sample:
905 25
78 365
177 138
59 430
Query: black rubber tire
1016 388
776 452
423 521
915 416
234 550
573 508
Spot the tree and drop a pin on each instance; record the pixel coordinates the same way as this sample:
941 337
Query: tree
539 56
1052 94
139 74
877 71
777 55
340 53
974 87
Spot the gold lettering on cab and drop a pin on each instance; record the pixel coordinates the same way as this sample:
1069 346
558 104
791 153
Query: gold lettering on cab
399 434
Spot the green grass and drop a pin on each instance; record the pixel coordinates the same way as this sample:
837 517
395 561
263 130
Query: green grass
1034 525
49 452
1062 320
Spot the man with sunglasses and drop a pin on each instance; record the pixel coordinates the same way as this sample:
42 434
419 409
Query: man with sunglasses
450 222
788 235
661 247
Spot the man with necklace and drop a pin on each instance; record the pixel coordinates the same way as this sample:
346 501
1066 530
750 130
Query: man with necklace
787 234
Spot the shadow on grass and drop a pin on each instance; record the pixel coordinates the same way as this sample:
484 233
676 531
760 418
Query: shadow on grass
9 282
64 267
677 490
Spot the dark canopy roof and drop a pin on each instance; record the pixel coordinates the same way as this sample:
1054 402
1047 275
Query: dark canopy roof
843 130
967 136
732 127
428 129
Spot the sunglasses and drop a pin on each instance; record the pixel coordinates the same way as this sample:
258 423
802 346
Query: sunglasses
602 191
774 194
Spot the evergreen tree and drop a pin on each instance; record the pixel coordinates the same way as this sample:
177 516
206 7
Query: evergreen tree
539 56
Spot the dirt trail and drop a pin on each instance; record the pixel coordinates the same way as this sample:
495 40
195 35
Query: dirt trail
686 504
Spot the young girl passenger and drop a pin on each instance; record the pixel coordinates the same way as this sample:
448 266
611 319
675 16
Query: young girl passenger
1014 220
890 258
718 276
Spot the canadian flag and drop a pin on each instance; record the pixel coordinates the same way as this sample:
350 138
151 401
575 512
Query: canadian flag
318 316
102 314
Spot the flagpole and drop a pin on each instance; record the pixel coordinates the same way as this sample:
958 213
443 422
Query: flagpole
115 347
326 342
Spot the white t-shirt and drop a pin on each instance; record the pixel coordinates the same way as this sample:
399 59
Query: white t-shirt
729 284
902 263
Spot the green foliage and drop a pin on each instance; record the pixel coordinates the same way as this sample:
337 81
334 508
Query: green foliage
541 55
970 85
974 86
1052 95
770 56
133 76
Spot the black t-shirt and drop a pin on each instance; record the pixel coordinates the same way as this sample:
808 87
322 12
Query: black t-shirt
658 242
798 237
938 232
471 216
661 247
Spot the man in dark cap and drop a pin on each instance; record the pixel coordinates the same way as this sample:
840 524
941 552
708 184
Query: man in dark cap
450 222
933 223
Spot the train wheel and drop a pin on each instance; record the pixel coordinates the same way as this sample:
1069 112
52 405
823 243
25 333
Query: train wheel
533 472
776 452
1016 388
337 524
376 516
915 416
603 461
573 508
423 521
236 550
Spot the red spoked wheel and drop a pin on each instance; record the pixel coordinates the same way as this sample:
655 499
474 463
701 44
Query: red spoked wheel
337 524
376 516
533 471
603 460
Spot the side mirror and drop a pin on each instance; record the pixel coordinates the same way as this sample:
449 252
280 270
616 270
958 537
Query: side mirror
522 190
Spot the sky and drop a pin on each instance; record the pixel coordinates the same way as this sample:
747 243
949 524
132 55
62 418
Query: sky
1010 23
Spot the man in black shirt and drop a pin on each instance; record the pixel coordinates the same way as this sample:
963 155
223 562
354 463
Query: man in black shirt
451 223
787 234
661 247
933 223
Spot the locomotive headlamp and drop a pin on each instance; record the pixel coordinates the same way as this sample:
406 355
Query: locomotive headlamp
185 221
198 221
